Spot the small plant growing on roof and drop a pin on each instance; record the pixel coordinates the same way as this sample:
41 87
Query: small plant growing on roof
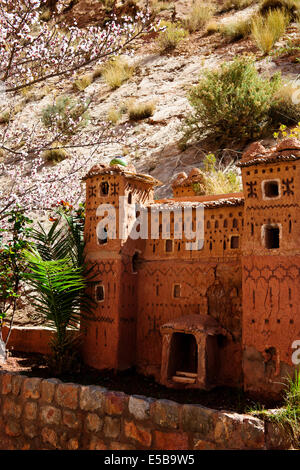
220 178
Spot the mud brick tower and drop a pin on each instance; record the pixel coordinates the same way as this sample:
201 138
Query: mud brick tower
225 313
109 337
270 263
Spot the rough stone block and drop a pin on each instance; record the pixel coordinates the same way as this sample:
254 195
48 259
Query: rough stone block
73 444
30 430
49 436
11 408
139 406
199 444
115 403
67 395
277 437
71 419
112 427
17 382
6 383
166 413
31 388
92 398
235 431
138 433
48 389
93 422
199 419
13 429
50 415
30 410
97 444
120 446
171 441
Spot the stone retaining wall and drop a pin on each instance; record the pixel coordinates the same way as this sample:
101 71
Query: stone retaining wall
50 414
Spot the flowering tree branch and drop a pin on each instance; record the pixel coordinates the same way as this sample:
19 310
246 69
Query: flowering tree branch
33 51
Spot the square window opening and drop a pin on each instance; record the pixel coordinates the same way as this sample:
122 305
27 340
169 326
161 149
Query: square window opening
169 246
99 293
104 188
176 291
235 242
271 189
272 237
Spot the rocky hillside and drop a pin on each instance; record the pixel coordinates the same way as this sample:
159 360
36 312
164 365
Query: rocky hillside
164 80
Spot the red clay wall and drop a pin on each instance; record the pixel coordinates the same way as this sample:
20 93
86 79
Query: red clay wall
271 320
29 339
48 414
271 275
210 288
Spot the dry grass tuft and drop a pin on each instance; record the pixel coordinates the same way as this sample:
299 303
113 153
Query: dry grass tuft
199 16
116 72
267 30
236 30
55 154
138 111
169 39
83 82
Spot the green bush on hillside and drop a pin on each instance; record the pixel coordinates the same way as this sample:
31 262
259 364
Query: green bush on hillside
232 103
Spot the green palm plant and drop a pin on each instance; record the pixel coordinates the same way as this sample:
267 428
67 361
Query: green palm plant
58 275
63 240
58 287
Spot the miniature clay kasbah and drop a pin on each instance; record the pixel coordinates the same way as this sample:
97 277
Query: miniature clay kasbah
226 314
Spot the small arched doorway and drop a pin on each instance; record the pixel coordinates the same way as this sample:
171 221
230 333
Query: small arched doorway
183 355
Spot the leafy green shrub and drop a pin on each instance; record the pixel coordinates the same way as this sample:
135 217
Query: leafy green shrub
169 39
235 30
139 111
117 71
199 16
232 103
266 30
66 116
14 239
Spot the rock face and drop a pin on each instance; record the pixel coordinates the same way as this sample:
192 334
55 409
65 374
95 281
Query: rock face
41 414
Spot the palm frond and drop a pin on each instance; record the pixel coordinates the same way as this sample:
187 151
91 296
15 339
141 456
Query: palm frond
57 288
